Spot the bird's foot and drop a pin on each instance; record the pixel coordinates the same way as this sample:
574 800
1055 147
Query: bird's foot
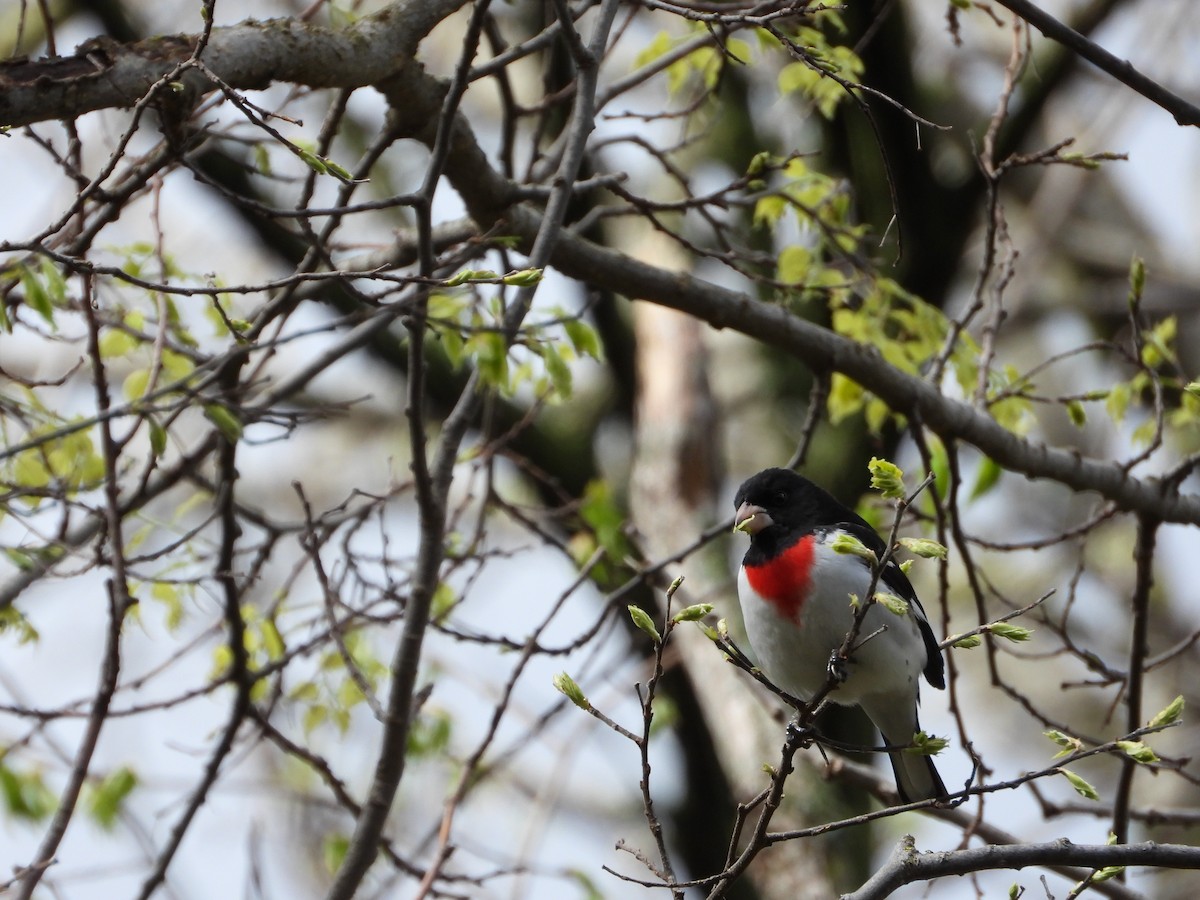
837 669
799 735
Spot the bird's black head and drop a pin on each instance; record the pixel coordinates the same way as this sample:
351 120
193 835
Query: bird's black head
779 498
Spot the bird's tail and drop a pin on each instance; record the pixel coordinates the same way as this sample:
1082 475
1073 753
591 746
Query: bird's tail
916 776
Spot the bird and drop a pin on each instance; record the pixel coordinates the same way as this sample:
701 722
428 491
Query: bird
795 593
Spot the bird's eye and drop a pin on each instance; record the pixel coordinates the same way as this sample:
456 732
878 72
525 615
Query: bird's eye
781 496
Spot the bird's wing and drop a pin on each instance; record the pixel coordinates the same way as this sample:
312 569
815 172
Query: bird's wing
897 582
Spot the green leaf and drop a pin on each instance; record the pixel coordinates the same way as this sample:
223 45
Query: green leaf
262 159
642 620
693 613
523 277
443 602
1077 413
848 544
11 618
923 547
55 285
1157 348
1106 873
558 370
586 884
333 851
584 338
1170 714
431 734
177 366
565 685
25 795
108 796
796 76
1067 743
600 511
313 161
349 694
22 559
794 264
968 643
168 595
222 660
226 420
314 717
737 50
927 744
305 691
1138 751
1014 633
985 478
1137 279
887 478
491 357
30 469
1082 787
758 162
338 171
769 210
1118 401
273 641
653 50
897 606
116 343
36 295
158 438
135 385
1144 433
447 305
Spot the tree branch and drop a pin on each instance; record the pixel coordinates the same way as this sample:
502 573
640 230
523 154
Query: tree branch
1185 113
106 74
906 865
1143 557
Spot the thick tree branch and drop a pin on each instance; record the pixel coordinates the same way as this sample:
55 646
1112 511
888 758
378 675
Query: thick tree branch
104 73
906 865
823 350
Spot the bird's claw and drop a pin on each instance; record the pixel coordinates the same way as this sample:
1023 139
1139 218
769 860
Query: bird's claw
837 668
799 735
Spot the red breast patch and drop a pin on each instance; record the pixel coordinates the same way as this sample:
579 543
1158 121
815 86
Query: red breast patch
783 581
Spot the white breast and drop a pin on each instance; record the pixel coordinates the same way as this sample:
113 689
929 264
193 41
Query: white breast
795 654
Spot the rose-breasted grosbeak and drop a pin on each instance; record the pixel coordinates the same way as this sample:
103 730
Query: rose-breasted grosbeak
795 596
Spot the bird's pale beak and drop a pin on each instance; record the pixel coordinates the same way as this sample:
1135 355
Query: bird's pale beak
751 519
